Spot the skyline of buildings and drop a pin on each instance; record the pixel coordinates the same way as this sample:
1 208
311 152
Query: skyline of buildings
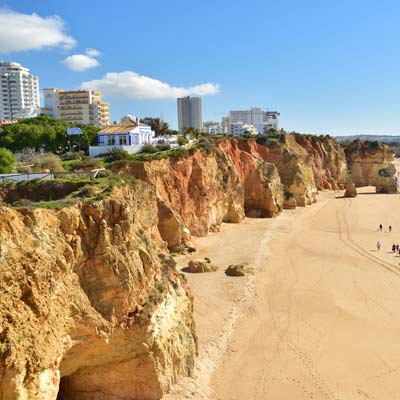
190 113
19 92
76 106
19 98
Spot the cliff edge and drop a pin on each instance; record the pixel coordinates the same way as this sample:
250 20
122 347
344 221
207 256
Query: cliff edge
92 306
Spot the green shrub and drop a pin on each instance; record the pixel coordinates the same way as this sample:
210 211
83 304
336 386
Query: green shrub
182 140
73 155
117 155
163 147
47 161
148 148
7 160
86 162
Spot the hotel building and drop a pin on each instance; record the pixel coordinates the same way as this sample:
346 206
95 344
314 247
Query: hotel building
19 92
77 106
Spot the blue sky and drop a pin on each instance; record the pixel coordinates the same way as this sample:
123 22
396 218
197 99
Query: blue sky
327 66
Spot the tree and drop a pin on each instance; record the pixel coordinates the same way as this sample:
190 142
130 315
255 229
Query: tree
7 160
45 133
158 126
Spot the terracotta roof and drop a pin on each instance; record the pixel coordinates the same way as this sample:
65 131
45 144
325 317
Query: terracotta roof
124 126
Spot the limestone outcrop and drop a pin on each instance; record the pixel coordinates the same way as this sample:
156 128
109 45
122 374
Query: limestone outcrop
372 164
242 269
197 266
227 179
91 304
350 190
305 165
208 187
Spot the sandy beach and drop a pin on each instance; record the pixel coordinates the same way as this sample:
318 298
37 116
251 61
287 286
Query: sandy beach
321 317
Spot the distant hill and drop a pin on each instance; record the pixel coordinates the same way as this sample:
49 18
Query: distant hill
380 138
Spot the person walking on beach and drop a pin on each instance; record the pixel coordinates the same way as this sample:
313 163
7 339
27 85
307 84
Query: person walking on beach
380 227
394 248
390 228
378 245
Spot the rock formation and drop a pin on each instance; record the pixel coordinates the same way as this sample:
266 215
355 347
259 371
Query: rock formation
206 188
199 266
350 190
242 269
92 306
372 164
305 164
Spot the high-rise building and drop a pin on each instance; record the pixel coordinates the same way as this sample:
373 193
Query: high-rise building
77 106
190 113
19 92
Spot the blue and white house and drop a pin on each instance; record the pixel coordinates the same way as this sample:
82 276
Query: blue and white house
128 135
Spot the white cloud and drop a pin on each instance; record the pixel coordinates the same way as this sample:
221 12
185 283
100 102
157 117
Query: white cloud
134 86
21 32
92 53
80 62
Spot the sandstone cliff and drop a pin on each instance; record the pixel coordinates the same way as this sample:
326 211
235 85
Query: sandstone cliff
372 164
91 304
227 179
306 164
215 185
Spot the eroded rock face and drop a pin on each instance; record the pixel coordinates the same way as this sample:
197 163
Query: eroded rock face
263 190
208 188
305 165
92 306
372 164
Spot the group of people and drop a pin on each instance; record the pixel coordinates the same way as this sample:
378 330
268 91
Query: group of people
395 247
381 228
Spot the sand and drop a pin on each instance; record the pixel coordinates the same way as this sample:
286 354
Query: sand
321 317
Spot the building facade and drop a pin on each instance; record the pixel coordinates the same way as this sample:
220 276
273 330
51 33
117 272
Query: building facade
77 106
19 92
190 114
128 135
239 129
263 121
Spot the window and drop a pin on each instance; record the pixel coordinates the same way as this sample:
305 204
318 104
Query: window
122 140
111 140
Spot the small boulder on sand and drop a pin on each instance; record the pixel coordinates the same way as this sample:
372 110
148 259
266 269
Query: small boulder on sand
351 190
199 265
215 228
240 270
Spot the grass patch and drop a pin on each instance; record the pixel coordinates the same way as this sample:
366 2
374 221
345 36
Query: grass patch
60 193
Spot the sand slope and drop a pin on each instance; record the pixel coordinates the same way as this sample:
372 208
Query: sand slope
321 320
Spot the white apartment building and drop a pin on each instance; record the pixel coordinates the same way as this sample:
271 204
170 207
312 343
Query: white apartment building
263 121
240 129
19 92
77 106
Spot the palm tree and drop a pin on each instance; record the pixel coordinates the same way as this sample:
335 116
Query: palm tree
158 126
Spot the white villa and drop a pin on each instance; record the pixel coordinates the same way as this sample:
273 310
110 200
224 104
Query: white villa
128 135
